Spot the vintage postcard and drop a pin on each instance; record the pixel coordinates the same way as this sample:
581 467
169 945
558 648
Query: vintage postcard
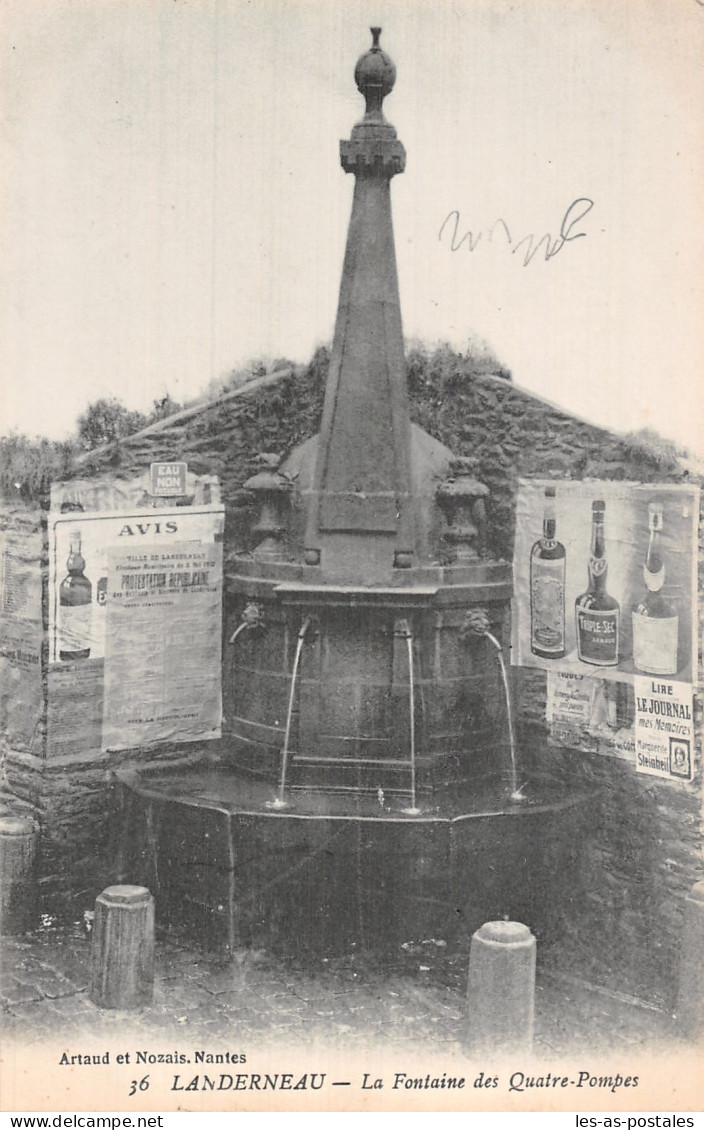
350 541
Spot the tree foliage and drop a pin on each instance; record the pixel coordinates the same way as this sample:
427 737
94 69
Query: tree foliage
29 464
107 420
446 368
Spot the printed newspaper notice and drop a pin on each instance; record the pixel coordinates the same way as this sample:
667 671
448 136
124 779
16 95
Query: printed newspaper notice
162 661
664 728
21 699
591 714
649 724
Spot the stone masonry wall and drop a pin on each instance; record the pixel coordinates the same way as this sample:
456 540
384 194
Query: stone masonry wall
66 793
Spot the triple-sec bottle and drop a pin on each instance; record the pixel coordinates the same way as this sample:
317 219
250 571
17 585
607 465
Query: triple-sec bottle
597 614
75 603
654 615
547 588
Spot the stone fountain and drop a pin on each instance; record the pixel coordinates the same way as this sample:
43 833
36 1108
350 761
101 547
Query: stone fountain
367 790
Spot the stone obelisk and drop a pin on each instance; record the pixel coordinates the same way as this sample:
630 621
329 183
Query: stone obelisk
360 516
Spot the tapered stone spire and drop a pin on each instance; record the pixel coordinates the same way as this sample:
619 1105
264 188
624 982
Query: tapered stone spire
360 512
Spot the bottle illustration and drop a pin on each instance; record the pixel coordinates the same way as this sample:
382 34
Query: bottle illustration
75 596
547 588
654 615
613 706
597 614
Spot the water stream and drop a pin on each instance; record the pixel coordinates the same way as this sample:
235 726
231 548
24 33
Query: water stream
280 800
237 631
405 632
516 793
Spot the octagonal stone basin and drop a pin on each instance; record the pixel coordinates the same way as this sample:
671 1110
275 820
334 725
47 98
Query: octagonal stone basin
334 870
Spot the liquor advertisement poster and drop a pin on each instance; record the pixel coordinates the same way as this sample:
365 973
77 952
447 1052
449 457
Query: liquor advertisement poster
155 575
79 550
605 579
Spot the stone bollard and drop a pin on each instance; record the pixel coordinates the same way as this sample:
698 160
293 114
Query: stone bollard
18 881
690 996
501 988
122 973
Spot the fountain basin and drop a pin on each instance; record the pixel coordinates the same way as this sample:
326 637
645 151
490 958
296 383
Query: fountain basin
350 723
335 869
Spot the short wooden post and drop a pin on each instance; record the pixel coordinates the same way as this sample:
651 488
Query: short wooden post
501 988
122 974
690 996
18 881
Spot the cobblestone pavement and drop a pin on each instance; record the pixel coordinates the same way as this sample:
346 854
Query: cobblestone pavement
343 1002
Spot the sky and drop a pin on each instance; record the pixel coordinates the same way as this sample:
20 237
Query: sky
174 206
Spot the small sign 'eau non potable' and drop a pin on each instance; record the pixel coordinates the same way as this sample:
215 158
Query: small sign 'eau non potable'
168 479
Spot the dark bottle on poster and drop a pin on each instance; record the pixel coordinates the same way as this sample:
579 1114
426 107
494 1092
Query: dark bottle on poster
597 613
547 587
75 601
654 614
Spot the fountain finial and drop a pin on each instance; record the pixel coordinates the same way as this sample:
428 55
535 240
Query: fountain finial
375 75
362 483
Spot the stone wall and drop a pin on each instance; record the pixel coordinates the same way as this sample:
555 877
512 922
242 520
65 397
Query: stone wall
622 926
51 765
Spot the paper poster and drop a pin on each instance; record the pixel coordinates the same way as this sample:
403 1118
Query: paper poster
74 708
648 723
594 715
605 579
163 644
128 662
21 694
21 698
664 731
20 576
78 564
